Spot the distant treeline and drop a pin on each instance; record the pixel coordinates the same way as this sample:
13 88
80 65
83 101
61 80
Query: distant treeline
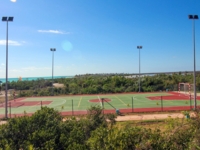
102 84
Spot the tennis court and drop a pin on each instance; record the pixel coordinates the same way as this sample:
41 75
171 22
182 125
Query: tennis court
78 104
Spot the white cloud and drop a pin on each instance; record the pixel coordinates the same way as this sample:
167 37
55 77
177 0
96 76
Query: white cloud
53 31
2 64
10 42
13 1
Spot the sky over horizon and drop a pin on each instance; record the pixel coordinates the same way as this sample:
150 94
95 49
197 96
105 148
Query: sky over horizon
98 36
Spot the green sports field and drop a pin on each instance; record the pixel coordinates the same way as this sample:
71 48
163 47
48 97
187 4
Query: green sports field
79 104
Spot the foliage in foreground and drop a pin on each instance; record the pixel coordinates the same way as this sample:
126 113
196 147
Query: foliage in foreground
46 130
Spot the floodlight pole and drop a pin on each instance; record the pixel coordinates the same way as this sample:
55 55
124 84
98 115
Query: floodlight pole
193 17
53 50
7 19
139 47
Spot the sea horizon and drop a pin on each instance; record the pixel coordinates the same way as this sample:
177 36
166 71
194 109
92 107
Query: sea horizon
3 80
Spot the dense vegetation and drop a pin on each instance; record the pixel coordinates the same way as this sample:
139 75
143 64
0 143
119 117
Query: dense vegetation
102 84
46 130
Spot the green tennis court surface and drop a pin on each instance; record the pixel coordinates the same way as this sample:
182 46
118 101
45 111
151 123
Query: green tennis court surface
110 102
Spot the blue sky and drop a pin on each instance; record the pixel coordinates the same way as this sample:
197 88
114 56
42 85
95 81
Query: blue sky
98 36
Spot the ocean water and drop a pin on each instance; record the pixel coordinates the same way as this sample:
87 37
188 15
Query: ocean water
3 80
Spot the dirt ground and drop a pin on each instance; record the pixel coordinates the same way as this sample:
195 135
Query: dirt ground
3 122
153 116
58 85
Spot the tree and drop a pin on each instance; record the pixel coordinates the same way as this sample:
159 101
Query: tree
40 130
16 133
45 128
0 86
96 117
125 139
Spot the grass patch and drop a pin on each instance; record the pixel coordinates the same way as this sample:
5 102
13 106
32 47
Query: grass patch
151 121
162 125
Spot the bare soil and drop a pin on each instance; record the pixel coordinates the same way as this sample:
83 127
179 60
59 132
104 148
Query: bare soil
58 85
153 116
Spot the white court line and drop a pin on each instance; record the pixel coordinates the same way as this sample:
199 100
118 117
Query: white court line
120 100
100 101
134 98
80 101
60 103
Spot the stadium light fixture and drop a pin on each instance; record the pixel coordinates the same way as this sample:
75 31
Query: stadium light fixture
139 47
53 50
6 19
194 17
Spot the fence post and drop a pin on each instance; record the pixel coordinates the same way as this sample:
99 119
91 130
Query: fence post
10 110
41 104
102 104
161 103
132 104
72 108
190 102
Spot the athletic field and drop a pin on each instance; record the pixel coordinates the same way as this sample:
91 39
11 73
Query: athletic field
78 104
